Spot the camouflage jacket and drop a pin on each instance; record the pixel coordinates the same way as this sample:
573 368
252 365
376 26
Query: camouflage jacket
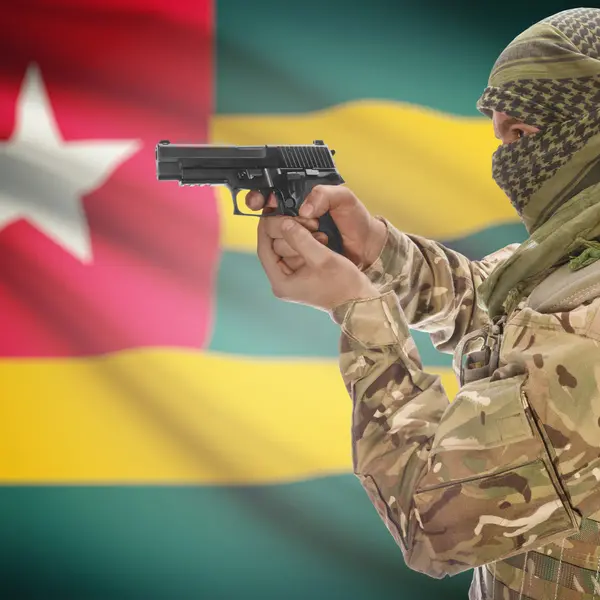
506 475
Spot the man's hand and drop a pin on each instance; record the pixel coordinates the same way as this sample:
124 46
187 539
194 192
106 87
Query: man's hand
363 236
325 280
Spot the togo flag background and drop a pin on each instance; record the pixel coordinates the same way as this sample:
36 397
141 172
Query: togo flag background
168 429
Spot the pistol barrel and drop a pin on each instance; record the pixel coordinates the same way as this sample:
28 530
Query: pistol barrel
174 160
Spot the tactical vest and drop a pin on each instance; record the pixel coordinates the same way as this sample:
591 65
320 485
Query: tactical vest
574 563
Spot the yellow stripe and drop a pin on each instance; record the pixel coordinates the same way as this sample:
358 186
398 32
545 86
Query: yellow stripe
162 416
404 162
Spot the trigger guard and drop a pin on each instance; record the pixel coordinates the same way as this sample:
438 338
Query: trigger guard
234 195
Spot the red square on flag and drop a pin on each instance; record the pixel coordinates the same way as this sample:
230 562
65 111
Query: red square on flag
97 255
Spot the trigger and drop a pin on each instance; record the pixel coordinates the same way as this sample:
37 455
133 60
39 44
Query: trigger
273 206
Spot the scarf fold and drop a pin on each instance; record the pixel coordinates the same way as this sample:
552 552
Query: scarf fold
572 228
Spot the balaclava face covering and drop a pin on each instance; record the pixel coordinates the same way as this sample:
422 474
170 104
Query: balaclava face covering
549 77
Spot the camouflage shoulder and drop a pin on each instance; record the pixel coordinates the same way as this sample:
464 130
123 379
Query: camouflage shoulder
488 263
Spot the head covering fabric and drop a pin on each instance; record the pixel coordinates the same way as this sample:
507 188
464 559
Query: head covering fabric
548 77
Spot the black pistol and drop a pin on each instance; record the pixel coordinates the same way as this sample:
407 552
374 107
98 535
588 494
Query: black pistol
289 172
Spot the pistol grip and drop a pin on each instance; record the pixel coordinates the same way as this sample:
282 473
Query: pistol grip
334 238
291 205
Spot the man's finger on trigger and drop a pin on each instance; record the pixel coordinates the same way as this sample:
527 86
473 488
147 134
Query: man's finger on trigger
301 240
254 200
272 201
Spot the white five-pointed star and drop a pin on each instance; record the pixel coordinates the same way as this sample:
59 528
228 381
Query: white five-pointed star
43 177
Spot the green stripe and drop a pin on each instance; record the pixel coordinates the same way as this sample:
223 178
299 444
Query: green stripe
311 540
313 54
250 321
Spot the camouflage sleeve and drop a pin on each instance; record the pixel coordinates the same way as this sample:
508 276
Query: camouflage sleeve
436 286
458 484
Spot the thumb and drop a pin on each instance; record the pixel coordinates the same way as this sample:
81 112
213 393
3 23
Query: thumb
325 198
303 242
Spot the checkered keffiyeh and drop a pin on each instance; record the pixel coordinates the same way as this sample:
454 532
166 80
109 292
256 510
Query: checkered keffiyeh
549 77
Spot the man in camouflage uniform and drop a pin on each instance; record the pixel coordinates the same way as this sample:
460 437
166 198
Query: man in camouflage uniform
505 478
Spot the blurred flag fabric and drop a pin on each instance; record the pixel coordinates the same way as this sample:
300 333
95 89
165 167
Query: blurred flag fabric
168 429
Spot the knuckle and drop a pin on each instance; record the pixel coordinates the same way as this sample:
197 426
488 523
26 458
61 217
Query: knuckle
321 262
294 262
315 194
319 193
299 234
282 248
299 230
347 195
310 224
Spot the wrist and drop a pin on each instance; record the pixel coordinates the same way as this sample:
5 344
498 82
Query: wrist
376 240
367 295
364 291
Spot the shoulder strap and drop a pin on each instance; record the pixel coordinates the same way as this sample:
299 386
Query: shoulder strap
562 291
565 289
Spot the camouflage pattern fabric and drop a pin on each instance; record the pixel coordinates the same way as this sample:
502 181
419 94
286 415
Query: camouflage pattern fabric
573 564
503 479
441 302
